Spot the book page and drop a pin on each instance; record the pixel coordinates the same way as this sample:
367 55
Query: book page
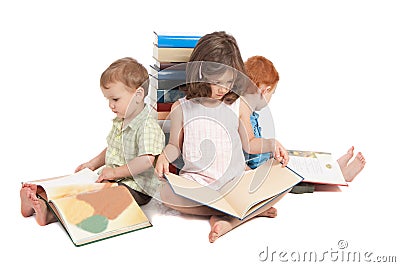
259 186
239 196
87 217
316 167
82 181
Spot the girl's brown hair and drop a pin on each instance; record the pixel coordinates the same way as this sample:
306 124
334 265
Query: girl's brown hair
218 47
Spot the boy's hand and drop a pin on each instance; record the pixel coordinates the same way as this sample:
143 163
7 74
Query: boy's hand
162 166
281 154
106 174
83 166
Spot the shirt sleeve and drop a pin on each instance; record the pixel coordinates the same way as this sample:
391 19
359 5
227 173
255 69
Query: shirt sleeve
152 139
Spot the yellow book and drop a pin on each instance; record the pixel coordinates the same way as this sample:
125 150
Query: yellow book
241 197
91 211
171 54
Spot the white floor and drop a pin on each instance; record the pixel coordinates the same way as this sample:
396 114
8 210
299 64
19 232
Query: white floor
321 223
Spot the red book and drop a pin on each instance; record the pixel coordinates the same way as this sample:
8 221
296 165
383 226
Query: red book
164 106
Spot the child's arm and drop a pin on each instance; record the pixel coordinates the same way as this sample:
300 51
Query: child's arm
94 163
255 145
173 149
133 167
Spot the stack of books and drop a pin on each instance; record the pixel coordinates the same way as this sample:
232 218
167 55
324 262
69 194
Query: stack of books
168 73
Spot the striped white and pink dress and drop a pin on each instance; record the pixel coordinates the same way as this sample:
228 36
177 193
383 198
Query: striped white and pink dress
212 149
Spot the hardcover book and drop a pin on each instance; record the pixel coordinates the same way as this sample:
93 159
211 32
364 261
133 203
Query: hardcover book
164 39
169 96
168 74
171 54
316 167
162 84
240 197
91 211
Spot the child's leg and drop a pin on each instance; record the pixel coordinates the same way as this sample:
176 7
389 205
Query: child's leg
220 225
220 222
352 169
26 205
43 215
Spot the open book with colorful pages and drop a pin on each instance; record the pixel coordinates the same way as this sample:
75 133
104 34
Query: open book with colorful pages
316 167
243 196
91 211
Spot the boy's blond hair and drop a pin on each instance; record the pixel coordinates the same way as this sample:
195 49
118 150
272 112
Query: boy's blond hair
127 71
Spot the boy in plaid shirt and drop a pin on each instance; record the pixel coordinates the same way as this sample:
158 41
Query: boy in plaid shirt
133 143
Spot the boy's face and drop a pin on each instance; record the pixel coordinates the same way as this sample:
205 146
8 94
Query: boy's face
267 92
118 98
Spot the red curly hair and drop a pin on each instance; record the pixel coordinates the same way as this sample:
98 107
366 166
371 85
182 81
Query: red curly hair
261 71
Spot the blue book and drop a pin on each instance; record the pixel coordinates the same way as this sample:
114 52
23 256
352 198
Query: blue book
177 40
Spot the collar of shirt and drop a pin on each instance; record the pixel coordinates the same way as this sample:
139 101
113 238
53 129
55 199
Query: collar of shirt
139 118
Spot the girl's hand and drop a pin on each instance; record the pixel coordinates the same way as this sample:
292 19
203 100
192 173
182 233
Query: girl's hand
162 166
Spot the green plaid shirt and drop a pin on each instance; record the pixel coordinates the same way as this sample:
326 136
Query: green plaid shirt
142 136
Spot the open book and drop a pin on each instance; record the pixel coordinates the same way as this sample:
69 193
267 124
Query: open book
316 167
240 197
91 211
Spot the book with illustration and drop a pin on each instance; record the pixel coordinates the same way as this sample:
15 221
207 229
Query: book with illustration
240 197
91 211
316 167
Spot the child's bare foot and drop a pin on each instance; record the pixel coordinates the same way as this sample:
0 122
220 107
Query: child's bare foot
344 160
220 225
43 215
26 205
354 167
271 213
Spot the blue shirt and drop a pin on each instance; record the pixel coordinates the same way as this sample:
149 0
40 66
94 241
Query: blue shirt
255 160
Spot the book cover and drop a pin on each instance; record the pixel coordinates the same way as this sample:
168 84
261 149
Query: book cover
171 54
169 65
164 39
163 115
164 65
164 106
90 211
240 197
168 74
165 84
169 96
316 167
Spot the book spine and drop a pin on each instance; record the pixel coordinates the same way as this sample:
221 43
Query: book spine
166 106
171 54
168 74
165 84
165 41
169 96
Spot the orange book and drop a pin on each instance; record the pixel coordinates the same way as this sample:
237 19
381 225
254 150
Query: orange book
163 115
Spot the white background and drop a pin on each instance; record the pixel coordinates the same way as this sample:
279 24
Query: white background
339 67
